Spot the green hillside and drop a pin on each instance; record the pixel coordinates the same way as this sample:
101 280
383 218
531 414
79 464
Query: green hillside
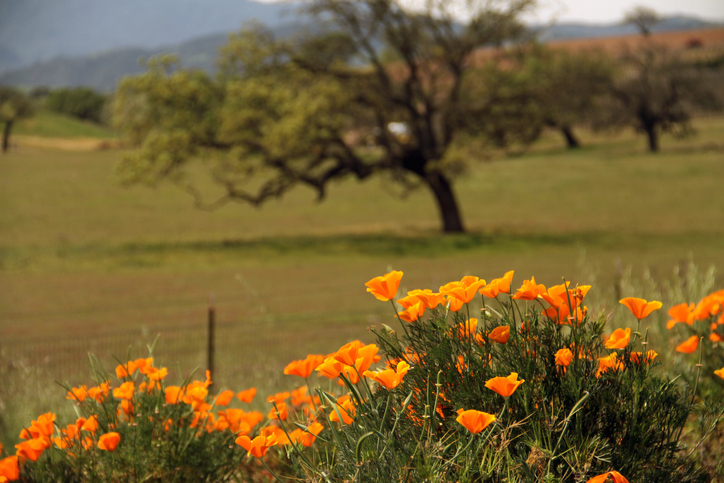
50 124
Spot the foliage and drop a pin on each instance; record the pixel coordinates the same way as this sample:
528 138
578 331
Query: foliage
140 431
569 87
658 91
598 410
81 102
531 391
303 112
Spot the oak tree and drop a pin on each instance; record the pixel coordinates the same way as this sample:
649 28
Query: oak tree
378 89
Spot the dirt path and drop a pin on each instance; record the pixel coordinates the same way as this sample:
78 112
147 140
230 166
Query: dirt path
67 144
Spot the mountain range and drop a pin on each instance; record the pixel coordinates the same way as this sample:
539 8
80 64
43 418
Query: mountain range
95 42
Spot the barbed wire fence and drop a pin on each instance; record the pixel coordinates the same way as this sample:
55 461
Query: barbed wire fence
248 352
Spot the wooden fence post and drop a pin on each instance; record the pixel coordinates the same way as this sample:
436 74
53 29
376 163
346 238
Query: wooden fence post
211 349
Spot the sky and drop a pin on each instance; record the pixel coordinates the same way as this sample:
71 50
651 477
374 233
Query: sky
607 11
610 11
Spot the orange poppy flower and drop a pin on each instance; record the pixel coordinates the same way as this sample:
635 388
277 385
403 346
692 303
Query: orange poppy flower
346 409
62 443
619 339
156 374
710 305
278 398
500 334
126 407
33 448
71 432
464 290
303 368
80 422
109 441
125 370
614 476
720 372
99 393
474 421
461 365
306 438
234 420
505 386
492 289
247 395
385 287
330 368
278 412
680 314
42 428
258 446
454 304
640 308
413 313
125 391
498 285
609 362
466 329
689 345
9 468
77 394
195 395
224 398
390 378
350 352
144 365
173 394
529 290
564 357
299 396
427 297
646 358
366 356
561 296
90 424
557 295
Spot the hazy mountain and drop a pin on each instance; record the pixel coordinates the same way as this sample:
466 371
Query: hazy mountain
564 31
33 31
102 70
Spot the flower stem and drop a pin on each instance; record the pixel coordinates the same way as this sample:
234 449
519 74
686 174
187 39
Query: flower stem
270 471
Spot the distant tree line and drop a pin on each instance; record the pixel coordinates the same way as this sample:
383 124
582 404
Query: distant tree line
79 102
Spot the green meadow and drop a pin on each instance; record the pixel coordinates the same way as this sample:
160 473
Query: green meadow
82 258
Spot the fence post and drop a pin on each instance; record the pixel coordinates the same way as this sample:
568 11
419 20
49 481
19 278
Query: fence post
617 280
211 349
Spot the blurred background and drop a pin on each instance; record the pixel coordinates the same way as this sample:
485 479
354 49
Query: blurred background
175 165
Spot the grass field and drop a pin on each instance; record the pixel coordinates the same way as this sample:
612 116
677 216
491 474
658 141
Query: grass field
83 259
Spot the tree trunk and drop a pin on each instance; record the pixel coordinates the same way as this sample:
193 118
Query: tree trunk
447 204
6 135
571 139
653 139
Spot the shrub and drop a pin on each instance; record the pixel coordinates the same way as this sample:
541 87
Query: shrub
533 388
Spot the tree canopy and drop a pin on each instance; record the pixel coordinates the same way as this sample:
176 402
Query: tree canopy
659 90
380 89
